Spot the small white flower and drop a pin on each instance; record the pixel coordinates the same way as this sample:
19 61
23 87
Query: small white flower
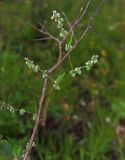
88 65
52 17
59 25
45 74
61 20
54 12
34 117
78 70
22 112
11 109
55 15
58 15
56 86
27 146
68 47
108 120
63 34
34 144
95 59
72 73
36 68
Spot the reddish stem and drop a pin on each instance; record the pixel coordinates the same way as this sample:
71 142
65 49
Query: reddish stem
41 102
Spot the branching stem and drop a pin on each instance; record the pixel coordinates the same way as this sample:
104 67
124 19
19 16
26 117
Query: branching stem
60 60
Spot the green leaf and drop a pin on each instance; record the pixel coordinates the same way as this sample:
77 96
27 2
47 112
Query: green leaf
5 148
60 78
16 150
70 41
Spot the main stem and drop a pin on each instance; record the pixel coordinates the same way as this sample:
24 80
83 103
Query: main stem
41 103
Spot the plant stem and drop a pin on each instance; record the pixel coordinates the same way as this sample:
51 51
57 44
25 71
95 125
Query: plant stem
70 61
59 62
41 103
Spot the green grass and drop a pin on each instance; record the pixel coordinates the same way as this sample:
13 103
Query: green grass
75 126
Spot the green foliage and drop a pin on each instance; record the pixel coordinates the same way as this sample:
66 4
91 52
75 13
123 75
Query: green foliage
119 109
58 81
17 151
60 78
5 149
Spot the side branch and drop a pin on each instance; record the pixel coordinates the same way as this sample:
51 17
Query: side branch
59 59
60 52
78 18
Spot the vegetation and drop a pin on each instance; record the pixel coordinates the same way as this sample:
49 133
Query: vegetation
85 119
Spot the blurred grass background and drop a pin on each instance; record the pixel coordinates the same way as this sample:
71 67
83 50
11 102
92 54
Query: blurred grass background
86 118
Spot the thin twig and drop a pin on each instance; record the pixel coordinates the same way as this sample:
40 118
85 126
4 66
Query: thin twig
78 19
46 33
45 30
70 27
60 51
42 39
82 15
91 19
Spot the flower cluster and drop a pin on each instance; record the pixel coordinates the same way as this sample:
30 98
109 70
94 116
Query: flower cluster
60 23
27 148
68 47
33 145
31 65
90 63
77 70
6 107
88 66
